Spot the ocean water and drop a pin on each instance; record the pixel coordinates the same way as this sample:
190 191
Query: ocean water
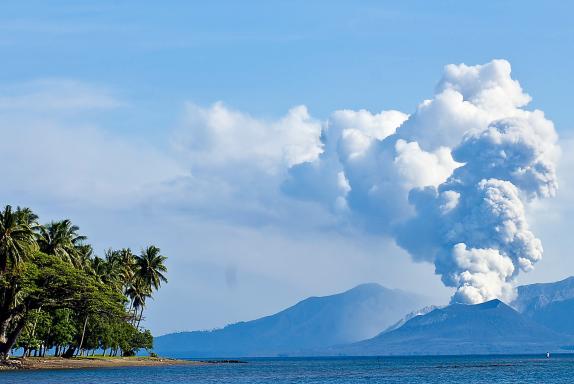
467 370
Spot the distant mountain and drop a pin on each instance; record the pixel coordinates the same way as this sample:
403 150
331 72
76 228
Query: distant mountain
535 296
557 315
487 328
550 304
313 323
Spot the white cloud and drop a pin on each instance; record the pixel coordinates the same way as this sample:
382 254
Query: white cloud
489 87
221 137
374 126
466 99
417 168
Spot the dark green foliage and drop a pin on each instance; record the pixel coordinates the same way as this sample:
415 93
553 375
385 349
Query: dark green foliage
16 236
63 328
131 339
56 295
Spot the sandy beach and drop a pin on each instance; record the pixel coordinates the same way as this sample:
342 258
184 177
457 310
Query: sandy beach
35 363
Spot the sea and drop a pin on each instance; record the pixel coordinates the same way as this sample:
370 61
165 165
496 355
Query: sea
340 370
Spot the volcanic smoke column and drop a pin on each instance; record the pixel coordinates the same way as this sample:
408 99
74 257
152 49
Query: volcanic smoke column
473 225
449 182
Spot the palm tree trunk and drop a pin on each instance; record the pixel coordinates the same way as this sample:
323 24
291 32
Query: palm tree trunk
6 347
36 320
3 264
83 334
140 317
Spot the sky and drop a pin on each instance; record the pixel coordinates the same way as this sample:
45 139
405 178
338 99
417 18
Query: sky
189 125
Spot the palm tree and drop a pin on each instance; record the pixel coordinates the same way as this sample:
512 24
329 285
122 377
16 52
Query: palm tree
127 267
84 257
60 238
121 274
28 216
16 236
138 292
113 264
150 267
99 269
150 273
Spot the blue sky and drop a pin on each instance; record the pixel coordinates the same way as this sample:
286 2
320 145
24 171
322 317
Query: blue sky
127 72
265 57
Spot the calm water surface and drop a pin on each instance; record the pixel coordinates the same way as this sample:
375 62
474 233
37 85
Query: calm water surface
482 369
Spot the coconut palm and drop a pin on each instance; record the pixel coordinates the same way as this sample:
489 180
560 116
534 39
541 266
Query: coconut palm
84 257
60 238
99 269
16 236
127 267
138 291
149 274
113 263
150 267
28 217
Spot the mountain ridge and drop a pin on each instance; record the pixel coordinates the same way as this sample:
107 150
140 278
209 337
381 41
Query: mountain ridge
532 297
369 320
492 327
314 322
551 304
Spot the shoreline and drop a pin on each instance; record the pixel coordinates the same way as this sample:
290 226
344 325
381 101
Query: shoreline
42 363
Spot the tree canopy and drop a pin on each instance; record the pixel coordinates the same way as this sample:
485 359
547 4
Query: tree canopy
56 295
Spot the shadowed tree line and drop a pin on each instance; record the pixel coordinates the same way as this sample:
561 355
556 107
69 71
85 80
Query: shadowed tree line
57 296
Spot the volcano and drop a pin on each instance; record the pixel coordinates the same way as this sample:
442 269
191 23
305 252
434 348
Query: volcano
488 328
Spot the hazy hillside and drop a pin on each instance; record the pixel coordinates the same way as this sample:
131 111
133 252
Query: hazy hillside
373 320
550 304
491 327
316 322
535 296
558 315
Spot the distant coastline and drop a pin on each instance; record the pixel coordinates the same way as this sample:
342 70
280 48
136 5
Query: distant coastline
41 363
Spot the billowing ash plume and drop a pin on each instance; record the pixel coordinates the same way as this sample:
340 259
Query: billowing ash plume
450 182
474 223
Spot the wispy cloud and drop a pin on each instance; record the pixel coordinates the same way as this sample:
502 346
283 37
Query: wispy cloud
73 160
56 95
